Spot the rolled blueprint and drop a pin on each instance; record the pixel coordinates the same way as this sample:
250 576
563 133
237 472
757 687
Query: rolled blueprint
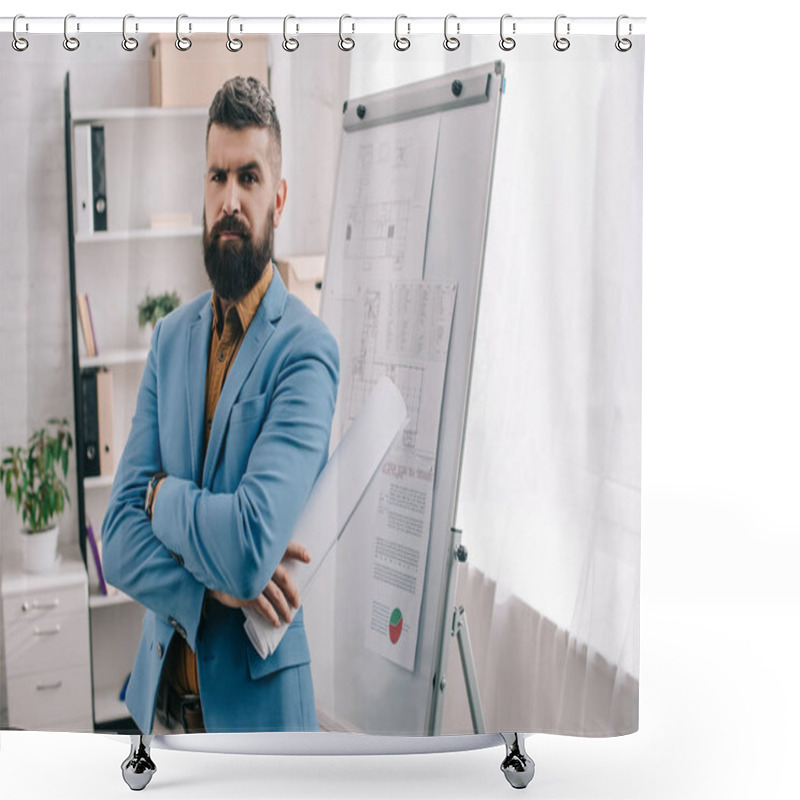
335 496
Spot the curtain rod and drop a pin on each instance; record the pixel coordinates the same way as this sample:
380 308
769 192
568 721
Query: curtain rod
349 25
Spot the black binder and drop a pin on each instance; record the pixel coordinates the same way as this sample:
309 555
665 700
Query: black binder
99 177
91 439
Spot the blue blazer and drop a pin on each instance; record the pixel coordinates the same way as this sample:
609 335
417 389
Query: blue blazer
222 522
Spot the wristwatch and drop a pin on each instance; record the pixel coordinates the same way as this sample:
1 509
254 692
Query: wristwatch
150 494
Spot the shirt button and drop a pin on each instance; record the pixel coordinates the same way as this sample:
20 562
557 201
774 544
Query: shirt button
159 650
221 356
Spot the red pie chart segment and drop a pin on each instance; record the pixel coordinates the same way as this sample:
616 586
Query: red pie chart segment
395 625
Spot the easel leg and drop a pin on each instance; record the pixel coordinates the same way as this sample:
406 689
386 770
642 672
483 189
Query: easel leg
138 768
518 766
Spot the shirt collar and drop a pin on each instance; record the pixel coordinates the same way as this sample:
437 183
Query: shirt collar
245 308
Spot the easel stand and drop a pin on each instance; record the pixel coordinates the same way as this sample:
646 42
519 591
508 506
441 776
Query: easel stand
518 767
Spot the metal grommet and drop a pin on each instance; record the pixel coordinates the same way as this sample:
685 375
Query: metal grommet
128 42
451 42
623 44
401 43
234 45
290 44
507 42
561 43
70 42
183 43
346 43
18 42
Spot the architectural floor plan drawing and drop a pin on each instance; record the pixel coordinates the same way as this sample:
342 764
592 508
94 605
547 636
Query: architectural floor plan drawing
386 200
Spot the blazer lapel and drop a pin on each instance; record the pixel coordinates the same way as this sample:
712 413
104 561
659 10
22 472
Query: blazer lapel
256 338
197 364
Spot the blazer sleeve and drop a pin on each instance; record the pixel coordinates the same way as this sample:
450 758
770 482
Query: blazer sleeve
257 519
134 560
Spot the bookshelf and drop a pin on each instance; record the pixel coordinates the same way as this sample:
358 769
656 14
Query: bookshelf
147 239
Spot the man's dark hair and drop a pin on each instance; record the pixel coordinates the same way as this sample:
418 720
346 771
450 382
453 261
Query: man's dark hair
244 103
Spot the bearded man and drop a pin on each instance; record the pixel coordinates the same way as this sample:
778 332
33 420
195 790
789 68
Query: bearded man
231 429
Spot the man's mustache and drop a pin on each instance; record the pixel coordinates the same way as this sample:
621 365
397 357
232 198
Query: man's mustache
229 224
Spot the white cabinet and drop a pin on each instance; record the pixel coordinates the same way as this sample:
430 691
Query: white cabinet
46 630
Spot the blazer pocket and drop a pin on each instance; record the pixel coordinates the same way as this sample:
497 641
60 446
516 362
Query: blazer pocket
248 410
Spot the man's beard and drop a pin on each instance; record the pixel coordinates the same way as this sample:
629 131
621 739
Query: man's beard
235 266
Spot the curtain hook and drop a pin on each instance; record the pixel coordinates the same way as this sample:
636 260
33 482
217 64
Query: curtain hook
18 43
346 43
561 43
623 45
401 42
70 42
183 43
129 43
507 42
290 44
451 42
233 44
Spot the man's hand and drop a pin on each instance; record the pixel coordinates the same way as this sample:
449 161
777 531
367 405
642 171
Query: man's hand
278 595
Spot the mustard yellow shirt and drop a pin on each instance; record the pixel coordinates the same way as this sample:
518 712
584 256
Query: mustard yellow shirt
226 335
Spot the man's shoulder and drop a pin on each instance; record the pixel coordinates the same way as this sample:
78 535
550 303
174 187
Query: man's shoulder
305 333
298 317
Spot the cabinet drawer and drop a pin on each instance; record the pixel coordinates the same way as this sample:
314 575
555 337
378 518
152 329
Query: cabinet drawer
34 646
45 701
39 606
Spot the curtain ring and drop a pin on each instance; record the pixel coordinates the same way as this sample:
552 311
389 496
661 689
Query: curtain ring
401 43
451 42
561 43
623 45
346 43
129 43
18 43
183 43
70 42
507 42
233 44
290 44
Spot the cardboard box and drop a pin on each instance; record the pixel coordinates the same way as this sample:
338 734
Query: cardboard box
191 78
303 278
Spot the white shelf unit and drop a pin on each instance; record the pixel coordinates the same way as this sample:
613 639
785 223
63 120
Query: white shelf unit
107 706
190 231
137 113
114 358
154 167
98 482
115 598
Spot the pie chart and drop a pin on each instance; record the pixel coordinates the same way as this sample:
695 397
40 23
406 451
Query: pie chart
395 625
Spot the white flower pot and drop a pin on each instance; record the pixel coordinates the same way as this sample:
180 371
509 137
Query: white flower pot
40 549
146 333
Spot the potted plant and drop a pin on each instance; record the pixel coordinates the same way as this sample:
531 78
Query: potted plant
155 306
34 479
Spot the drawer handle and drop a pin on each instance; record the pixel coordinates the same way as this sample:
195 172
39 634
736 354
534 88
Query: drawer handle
37 606
44 686
47 631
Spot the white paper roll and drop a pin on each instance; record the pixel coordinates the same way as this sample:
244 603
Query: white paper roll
335 496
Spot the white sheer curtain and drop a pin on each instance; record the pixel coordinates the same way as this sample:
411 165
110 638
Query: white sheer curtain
550 489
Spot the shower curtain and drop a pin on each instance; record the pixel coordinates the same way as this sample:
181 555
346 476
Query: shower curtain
547 468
